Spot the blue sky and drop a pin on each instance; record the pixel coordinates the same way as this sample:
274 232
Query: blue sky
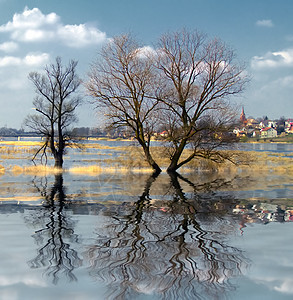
33 33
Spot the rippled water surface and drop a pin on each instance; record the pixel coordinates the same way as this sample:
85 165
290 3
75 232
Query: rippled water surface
136 236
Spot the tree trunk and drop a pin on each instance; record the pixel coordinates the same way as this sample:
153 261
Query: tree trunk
173 167
149 158
174 163
151 161
146 149
58 160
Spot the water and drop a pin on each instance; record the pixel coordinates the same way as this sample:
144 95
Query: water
134 236
271 147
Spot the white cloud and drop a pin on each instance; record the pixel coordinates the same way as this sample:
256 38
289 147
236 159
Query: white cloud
32 35
34 26
80 35
14 71
26 280
8 47
282 58
286 287
9 61
265 23
146 51
28 60
282 82
36 59
33 18
27 43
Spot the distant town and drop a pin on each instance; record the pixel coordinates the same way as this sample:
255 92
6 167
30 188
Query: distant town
263 128
248 128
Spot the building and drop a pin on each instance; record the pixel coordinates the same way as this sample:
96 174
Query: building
272 124
268 132
253 123
243 119
289 126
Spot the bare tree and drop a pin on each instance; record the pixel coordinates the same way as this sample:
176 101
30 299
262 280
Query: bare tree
199 76
184 87
122 81
55 106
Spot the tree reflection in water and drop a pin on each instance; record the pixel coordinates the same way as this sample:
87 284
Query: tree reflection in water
167 248
56 234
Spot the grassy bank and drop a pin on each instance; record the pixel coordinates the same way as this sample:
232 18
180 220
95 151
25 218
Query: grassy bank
131 159
280 139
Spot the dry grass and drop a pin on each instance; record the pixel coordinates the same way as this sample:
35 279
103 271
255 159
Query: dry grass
20 143
131 159
269 162
20 198
91 146
17 150
39 170
96 169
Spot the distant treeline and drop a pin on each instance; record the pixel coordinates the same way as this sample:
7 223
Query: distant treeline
76 132
5 131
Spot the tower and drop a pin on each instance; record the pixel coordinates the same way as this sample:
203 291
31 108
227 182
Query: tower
243 119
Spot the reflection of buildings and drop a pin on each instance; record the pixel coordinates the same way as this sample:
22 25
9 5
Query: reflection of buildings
263 213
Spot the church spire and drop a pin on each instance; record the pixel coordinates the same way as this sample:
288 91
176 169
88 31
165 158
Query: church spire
243 119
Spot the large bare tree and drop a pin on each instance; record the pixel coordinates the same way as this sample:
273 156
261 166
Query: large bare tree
183 86
123 83
55 106
199 76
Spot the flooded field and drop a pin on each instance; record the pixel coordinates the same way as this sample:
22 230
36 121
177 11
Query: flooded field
100 232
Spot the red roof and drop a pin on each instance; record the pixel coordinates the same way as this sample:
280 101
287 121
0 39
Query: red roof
267 128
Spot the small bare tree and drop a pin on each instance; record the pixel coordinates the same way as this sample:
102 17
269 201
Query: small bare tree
199 76
55 106
122 81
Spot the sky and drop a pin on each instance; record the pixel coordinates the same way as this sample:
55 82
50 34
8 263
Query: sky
34 32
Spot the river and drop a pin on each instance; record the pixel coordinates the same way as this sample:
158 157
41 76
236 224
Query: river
118 235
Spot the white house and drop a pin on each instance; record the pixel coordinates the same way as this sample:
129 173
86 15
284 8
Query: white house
289 126
268 132
272 124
